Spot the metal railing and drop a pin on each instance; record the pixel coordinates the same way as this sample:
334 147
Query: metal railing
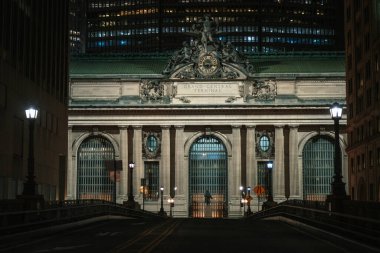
61 212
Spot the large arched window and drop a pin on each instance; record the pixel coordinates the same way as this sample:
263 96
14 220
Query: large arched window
93 178
208 173
318 168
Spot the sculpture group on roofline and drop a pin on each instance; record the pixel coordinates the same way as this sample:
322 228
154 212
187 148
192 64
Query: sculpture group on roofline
205 43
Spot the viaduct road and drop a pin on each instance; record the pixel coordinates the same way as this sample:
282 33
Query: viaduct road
185 236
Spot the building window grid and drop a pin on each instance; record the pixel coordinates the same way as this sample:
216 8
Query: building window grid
93 178
208 171
151 175
264 176
318 168
112 19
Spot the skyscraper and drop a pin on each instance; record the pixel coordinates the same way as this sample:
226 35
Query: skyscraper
252 26
33 72
362 31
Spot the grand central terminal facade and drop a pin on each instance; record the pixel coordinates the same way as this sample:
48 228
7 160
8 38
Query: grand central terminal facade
205 119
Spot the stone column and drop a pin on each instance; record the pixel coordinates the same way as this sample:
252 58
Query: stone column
251 163
124 160
180 182
294 173
181 178
138 171
279 168
165 160
234 178
70 194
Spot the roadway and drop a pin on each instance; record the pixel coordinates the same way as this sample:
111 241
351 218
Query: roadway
184 236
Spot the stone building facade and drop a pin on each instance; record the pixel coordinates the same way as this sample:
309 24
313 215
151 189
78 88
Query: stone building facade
207 119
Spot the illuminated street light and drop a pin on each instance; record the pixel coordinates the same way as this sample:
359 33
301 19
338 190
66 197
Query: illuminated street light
162 211
30 184
131 201
338 187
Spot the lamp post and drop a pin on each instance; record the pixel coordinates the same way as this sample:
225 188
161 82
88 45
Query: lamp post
162 212
30 184
243 201
174 192
269 168
338 187
143 183
249 212
241 188
269 203
131 201
171 203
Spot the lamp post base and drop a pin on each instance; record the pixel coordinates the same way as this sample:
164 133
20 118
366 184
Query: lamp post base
131 203
249 212
30 188
32 202
269 203
336 202
162 212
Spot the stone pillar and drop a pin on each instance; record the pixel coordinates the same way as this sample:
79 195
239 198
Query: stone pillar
70 192
294 173
181 178
251 163
124 160
165 160
234 178
180 182
279 168
138 171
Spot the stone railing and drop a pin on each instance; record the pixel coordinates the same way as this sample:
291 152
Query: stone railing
359 222
61 212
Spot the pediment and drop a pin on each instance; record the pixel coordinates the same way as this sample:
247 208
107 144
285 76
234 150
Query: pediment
207 58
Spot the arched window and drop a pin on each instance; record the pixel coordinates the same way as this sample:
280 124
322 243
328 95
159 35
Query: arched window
93 178
208 173
318 168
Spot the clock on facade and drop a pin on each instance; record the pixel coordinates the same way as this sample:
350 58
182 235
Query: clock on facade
208 64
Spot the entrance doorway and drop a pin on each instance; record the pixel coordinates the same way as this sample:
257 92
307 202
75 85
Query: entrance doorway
208 174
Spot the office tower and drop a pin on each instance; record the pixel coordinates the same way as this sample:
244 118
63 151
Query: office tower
252 26
34 72
362 33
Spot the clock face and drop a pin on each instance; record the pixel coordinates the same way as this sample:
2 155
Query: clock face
208 64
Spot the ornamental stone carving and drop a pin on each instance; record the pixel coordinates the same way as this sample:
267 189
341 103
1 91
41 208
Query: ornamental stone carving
264 144
262 90
265 90
151 145
151 91
205 57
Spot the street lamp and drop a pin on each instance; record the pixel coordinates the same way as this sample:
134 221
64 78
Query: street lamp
241 195
131 201
269 168
30 184
338 187
143 184
243 202
249 212
162 212
171 203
